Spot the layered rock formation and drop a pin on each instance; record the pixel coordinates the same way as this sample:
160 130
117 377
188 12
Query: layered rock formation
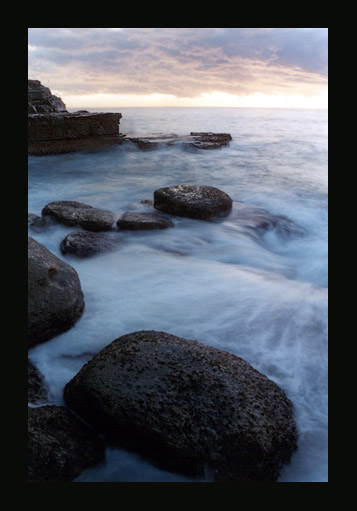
198 140
52 129
41 101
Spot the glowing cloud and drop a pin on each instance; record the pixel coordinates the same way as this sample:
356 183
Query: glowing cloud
182 66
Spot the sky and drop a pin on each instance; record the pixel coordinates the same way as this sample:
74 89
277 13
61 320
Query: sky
231 67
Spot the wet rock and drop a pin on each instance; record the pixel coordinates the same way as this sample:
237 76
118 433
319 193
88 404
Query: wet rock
55 296
41 101
77 213
186 406
36 387
139 221
200 202
60 446
209 140
256 220
199 140
85 243
54 130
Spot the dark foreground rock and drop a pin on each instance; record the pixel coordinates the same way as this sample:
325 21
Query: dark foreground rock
55 296
60 446
186 406
140 221
200 202
85 243
36 387
77 213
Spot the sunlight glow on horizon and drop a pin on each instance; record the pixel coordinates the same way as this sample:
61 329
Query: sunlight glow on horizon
212 99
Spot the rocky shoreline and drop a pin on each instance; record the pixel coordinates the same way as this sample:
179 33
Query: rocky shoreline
183 405
54 130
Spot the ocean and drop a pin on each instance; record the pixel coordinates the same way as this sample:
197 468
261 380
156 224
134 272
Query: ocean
261 294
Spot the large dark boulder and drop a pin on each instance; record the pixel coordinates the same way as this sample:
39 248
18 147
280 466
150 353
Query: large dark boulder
200 202
85 243
186 406
55 296
142 221
77 213
60 445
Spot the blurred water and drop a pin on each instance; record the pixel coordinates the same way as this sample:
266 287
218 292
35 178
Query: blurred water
260 294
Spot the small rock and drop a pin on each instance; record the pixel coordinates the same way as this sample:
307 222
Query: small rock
85 243
77 213
138 221
200 202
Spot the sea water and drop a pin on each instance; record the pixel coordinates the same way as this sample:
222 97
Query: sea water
261 294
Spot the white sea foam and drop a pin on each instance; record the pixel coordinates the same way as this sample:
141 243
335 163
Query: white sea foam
260 294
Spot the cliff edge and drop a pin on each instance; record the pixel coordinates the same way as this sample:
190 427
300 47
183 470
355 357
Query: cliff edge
54 130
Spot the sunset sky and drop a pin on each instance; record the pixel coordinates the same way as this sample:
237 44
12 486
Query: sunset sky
118 67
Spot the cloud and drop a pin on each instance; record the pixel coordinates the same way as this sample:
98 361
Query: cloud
185 62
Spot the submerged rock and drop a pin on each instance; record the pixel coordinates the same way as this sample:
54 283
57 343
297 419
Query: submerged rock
257 220
85 243
77 213
200 202
60 446
55 296
36 387
209 140
186 406
137 221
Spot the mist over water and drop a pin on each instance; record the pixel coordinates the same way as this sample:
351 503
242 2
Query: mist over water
253 283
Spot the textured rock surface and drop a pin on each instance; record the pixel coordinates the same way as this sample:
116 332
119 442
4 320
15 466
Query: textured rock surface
138 221
77 213
52 130
55 296
60 446
199 140
186 406
200 202
85 244
41 101
36 387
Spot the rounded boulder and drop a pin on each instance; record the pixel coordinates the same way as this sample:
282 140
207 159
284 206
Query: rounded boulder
186 406
55 296
200 202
